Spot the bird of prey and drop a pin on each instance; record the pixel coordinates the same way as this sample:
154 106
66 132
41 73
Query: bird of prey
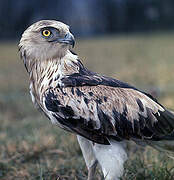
103 112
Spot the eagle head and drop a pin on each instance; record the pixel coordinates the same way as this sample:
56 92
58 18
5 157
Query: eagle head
46 39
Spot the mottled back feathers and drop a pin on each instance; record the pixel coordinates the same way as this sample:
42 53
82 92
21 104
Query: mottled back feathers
102 112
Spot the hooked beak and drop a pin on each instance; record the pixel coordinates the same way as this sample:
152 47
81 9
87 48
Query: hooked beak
68 39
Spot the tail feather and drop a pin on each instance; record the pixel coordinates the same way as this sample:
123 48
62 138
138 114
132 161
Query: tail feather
166 118
166 144
170 118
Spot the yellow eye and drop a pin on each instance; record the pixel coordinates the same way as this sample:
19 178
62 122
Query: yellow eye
46 33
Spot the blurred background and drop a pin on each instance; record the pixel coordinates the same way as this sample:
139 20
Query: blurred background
88 18
131 40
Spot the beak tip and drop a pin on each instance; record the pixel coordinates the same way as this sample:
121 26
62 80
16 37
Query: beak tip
70 38
73 43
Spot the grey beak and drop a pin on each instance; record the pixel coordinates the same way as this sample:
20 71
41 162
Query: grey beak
68 39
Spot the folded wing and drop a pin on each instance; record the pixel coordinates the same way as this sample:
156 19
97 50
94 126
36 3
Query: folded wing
102 112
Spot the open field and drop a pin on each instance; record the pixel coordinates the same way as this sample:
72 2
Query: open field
31 148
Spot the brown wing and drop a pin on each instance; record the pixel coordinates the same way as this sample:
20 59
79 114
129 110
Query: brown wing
103 112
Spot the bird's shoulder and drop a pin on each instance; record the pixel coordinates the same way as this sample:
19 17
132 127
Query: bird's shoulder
86 77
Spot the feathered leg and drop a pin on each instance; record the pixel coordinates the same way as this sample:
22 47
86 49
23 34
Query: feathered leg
111 158
89 156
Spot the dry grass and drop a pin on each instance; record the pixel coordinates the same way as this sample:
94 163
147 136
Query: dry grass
31 148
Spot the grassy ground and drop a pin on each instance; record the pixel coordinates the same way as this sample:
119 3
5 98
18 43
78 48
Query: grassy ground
31 148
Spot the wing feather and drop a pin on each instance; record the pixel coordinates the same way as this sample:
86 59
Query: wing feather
99 108
102 112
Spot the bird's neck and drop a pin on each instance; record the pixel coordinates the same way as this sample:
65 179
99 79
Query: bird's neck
48 73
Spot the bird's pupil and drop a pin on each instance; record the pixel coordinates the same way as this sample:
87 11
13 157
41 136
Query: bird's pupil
46 32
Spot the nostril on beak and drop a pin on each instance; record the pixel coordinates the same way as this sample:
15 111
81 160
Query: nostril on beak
67 36
70 38
67 39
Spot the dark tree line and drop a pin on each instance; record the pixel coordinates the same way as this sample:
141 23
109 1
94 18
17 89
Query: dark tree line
87 17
